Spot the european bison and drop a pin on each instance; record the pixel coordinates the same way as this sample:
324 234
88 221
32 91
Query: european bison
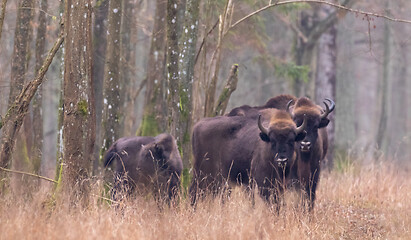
224 147
275 155
145 164
313 148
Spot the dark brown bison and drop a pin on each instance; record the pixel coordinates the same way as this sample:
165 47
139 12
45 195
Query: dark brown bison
145 164
313 148
275 155
224 147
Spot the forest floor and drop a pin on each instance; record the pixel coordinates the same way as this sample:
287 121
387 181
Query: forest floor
368 202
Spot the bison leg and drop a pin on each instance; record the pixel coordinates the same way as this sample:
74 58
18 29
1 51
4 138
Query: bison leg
311 187
122 187
173 186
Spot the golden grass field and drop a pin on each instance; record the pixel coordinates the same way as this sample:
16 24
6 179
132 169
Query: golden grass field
367 202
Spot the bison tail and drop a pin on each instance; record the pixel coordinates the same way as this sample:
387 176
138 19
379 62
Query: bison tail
110 155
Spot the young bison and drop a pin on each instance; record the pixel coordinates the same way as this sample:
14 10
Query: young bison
145 164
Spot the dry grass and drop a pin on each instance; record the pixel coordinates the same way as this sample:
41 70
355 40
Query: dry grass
357 203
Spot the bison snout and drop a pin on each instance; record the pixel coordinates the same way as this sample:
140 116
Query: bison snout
282 161
305 146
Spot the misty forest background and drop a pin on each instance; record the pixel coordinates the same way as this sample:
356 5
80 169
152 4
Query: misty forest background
138 67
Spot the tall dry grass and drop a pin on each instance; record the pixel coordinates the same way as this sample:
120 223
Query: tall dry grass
368 202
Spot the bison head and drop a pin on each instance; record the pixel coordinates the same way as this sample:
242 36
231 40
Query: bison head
281 134
158 151
316 117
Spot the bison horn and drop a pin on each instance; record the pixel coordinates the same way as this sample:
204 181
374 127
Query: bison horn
328 109
302 126
289 105
261 127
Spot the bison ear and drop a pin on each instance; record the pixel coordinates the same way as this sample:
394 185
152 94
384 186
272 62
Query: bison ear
264 137
300 136
324 122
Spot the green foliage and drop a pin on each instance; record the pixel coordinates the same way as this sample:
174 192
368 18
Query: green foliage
82 107
292 71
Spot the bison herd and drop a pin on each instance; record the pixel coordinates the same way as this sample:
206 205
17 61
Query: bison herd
264 148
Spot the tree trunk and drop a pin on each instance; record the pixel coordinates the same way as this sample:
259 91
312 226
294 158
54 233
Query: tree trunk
312 27
173 99
99 55
78 102
325 80
346 93
399 115
2 15
128 63
215 61
19 66
154 111
186 68
15 115
384 89
37 117
112 92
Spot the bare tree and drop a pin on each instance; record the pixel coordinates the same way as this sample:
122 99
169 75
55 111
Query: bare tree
384 89
19 68
78 101
325 79
37 116
99 54
186 67
128 63
154 110
112 92
308 30
173 99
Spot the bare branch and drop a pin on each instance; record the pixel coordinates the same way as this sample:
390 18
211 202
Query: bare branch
28 174
230 87
292 26
204 39
271 4
15 115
